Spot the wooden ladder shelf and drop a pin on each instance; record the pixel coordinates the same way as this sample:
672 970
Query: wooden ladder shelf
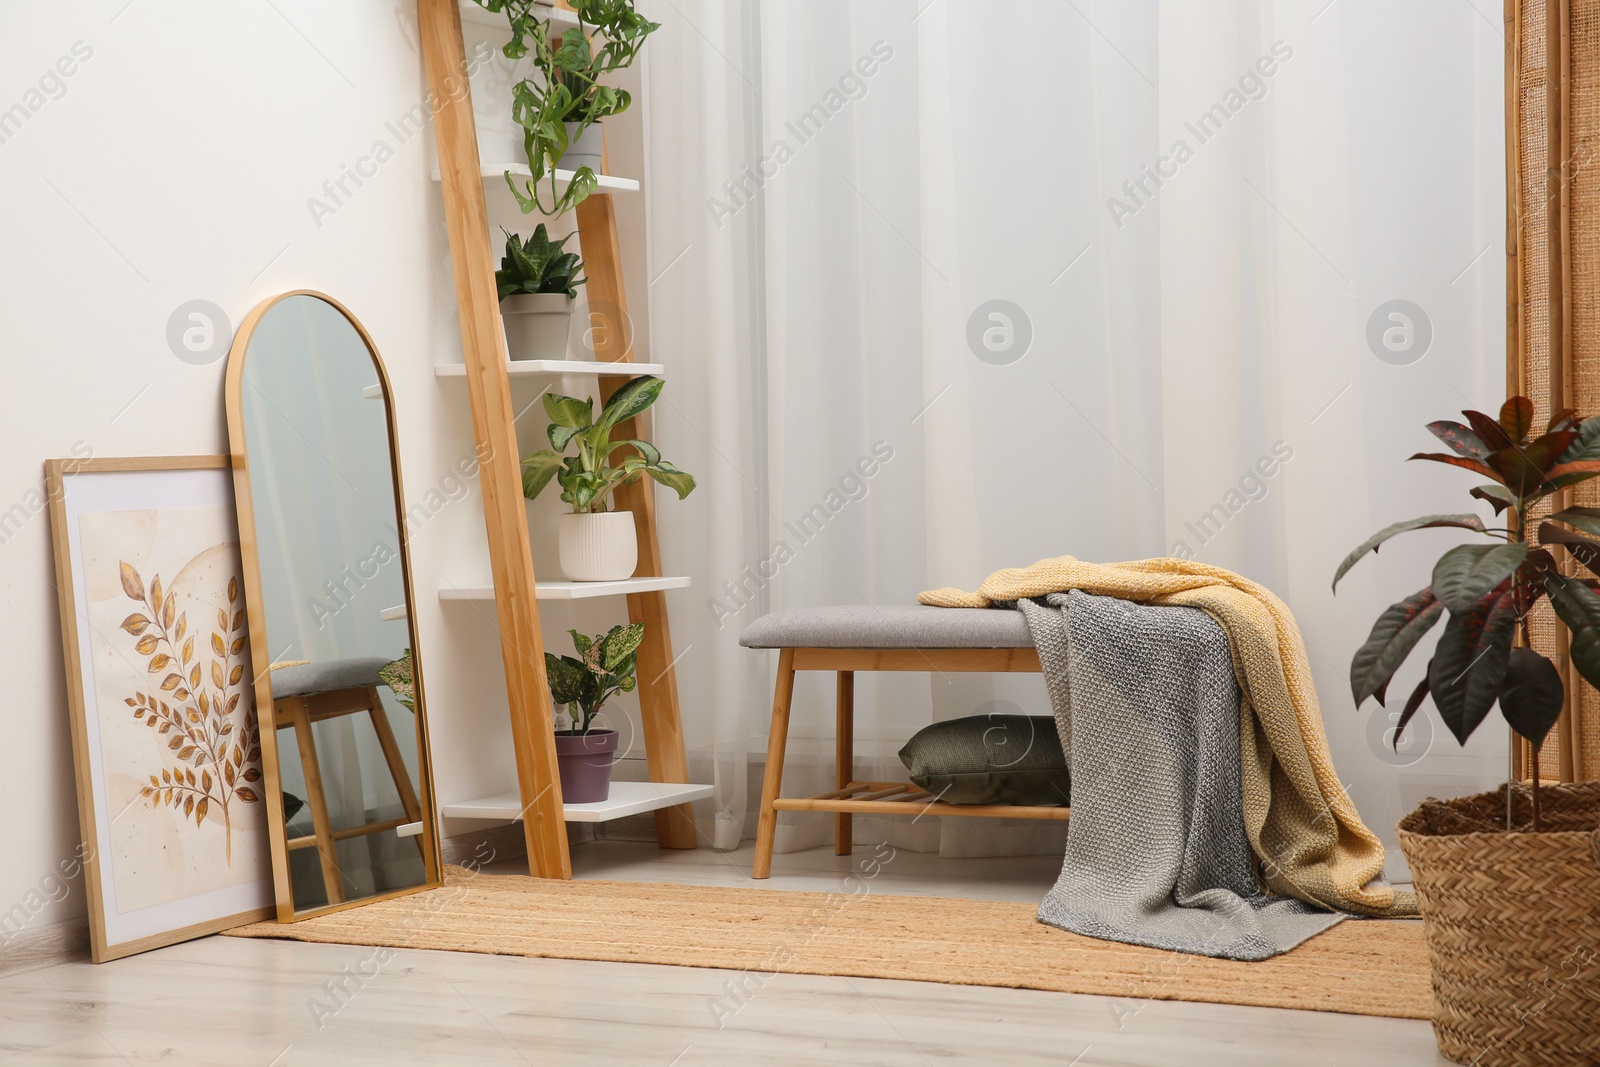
489 394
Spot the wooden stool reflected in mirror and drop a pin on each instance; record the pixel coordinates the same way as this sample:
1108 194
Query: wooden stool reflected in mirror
303 696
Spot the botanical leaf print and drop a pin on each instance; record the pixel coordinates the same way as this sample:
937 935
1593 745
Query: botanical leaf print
212 748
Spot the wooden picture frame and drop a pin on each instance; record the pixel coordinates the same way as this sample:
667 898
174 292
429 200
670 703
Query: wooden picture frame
150 872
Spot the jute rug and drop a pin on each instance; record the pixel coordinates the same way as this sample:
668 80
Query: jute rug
1363 967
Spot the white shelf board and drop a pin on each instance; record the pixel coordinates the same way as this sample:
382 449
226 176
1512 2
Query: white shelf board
606 183
373 392
571 590
473 13
627 798
522 368
393 614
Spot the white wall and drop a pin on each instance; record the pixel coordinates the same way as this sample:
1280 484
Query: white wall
175 164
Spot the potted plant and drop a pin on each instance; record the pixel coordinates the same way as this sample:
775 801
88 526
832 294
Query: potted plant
1508 882
605 668
397 676
538 283
561 102
585 139
598 544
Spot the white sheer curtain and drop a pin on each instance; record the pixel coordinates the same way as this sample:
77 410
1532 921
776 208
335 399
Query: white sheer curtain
1190 212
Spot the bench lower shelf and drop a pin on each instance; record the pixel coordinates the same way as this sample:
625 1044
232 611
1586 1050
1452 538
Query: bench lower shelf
627 798
904 798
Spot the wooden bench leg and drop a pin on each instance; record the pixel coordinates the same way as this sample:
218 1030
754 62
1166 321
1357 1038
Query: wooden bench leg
772 781
845 757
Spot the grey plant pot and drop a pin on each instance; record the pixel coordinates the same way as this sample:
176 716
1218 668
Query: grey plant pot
537 324
585 150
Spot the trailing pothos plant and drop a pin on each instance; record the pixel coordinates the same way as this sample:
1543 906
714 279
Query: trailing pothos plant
1489 589
564 87
588 478
607 667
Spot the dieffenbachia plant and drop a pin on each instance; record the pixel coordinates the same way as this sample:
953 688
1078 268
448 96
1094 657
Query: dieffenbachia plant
588 478
1489 589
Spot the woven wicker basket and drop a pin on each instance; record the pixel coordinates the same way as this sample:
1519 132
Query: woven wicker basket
1513 925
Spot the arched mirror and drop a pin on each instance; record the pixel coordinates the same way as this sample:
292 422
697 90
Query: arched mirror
328 588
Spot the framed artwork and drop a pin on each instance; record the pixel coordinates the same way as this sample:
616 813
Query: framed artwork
160 694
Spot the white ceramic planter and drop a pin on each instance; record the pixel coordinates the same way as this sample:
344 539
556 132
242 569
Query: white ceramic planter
537 325
598 547
585 150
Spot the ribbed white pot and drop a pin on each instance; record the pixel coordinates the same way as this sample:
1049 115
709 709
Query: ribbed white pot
599 547
583 150
537 325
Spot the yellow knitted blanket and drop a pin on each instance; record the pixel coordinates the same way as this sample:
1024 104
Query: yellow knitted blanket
1302 824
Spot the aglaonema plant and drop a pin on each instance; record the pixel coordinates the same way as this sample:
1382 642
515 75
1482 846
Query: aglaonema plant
1488 590
607 666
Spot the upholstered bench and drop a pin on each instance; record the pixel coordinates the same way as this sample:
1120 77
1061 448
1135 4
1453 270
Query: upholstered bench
866 638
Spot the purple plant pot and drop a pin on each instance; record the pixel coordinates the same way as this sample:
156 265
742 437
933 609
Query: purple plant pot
585 762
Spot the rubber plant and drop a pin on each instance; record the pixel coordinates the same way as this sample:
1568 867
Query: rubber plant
588 478
538 265
606 667
564 87
1488 590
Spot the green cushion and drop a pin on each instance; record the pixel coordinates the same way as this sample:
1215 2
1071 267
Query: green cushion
990 759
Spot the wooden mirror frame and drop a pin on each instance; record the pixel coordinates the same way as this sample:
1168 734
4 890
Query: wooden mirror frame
260 650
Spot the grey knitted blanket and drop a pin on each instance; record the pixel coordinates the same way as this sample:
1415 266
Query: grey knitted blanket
1149 712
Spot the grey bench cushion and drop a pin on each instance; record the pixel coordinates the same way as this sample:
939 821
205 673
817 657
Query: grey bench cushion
326 676
901 626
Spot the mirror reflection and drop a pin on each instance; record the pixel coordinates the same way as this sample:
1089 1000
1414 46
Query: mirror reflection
327 573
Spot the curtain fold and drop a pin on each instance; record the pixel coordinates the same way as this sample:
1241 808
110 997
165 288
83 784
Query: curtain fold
700 302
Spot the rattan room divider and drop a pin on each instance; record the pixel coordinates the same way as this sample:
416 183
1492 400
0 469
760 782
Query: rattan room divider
1553 284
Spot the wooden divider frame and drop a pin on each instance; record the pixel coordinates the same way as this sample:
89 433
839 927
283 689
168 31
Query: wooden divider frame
612 333
494 428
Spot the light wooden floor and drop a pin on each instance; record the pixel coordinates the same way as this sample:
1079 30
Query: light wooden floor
258 1003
